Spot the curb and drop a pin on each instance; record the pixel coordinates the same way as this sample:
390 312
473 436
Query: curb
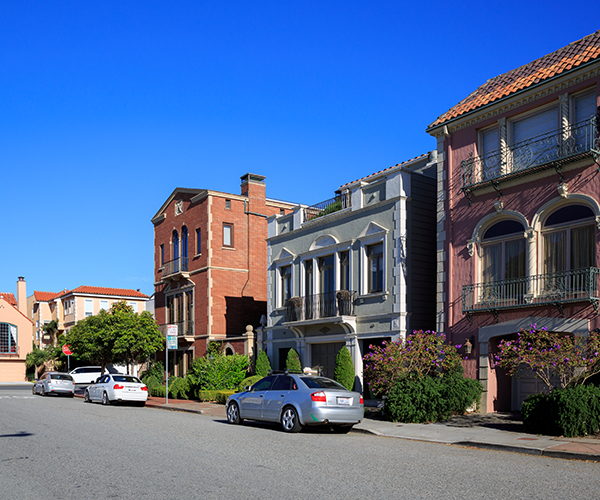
174 408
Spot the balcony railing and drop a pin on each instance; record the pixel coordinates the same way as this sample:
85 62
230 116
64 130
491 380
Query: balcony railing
175 266
578 285
550 149
341 201
320 305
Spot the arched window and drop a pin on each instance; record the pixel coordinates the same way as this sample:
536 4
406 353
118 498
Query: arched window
569 239
184 243
175 245
503 251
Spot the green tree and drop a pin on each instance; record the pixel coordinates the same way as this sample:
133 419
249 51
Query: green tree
36 358
344 368
263 365
51 329
292 362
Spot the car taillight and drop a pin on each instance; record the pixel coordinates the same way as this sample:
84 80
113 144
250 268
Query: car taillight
145 389
318 396
361 400
118 386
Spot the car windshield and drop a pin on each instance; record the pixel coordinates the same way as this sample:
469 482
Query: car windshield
126 378
60 376
321 383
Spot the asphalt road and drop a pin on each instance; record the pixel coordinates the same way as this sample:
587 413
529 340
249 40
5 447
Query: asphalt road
57 447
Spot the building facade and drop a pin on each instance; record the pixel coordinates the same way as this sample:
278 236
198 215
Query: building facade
16 334
209 266
70 306
354 270
519 211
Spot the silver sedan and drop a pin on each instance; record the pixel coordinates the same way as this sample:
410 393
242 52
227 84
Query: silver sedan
117 388
295 401
54 383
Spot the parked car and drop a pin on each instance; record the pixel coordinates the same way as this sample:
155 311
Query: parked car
296 400
54 383
117 388
89 374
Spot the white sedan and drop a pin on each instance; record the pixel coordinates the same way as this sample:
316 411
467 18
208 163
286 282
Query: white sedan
117 388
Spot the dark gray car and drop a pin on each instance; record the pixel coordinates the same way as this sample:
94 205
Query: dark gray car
296 400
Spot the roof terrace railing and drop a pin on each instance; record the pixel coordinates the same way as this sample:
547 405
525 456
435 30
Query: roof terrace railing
341 201
546 150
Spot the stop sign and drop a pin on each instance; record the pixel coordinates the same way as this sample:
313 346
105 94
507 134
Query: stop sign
67 349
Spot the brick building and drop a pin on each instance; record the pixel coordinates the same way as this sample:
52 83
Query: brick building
210 266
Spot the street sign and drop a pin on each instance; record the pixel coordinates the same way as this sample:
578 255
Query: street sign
67 349
171 341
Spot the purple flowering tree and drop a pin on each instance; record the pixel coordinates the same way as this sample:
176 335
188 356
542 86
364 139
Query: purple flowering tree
554 358
423 353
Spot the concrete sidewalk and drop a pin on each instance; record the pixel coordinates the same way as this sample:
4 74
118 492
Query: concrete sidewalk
489 431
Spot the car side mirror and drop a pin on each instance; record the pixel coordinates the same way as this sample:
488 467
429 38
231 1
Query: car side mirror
248 388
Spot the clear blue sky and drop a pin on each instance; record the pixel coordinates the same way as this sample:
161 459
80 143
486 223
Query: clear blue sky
106 107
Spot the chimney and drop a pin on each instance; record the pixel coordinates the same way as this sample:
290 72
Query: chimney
22 295
253 186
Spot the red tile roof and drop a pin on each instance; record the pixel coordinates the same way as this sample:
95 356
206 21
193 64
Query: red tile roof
98 290
45 296
568 58
10 298
420 157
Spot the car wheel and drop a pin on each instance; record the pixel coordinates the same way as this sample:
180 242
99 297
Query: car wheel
233 413
43 391
289 420
342 429
105 400
33 389
86 397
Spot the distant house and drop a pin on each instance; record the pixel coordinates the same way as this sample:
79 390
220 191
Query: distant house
69 306
16 334
209 267
354 270
519 215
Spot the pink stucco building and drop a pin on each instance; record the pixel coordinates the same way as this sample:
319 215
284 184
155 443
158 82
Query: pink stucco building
519 211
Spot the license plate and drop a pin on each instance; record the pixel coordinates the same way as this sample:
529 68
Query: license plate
344 401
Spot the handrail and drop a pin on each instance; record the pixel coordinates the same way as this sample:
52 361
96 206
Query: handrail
320 305
339 202
175 266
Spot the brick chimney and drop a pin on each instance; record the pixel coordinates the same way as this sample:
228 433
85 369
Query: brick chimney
22 295
253 186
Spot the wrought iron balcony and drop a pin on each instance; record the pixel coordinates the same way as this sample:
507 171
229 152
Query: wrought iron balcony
341 201
578 285
320 305
550 150
175 268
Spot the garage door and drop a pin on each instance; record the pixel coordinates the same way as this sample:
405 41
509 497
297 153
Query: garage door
323 357
524 386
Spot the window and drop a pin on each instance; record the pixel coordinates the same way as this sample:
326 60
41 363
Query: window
162 255
228 204
227 235
327 286
175 243
170 311
104 305
345 270
528 147
286 283
198 241
89 307
569 239
375 267
281 211
8 338
503 251
489 151
133 306
184 245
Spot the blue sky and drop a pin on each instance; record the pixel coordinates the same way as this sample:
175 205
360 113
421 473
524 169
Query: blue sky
106 107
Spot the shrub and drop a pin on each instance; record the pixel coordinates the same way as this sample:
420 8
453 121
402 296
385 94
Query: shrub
431 399
292 362
572 411
249 381
155 369
344 368
151 382
157 391
179 388
263 365
217 372
216 396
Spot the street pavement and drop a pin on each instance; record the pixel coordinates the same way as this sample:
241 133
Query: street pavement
493 431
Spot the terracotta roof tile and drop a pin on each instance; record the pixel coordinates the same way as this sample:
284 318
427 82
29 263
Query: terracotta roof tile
551 65
45 296
98 290
10 298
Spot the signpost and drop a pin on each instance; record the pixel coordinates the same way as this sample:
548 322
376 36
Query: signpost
171 344
67 350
